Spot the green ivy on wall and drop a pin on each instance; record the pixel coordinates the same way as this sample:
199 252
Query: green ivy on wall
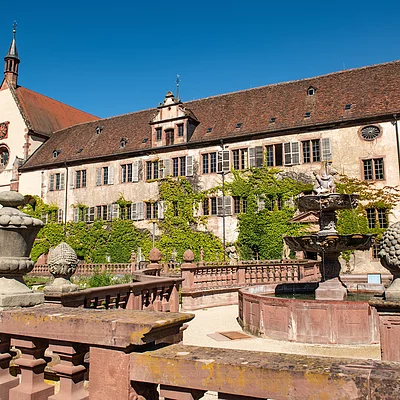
269 196
181 229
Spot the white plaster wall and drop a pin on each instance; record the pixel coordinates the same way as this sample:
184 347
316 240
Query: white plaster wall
30 183
16 134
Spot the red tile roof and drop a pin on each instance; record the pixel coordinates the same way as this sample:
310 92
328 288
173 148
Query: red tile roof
44 115
374 92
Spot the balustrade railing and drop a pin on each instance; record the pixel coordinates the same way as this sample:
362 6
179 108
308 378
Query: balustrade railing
136 355
203 276
151 293
216 283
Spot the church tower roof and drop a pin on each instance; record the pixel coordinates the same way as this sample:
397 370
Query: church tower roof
12 61
12 51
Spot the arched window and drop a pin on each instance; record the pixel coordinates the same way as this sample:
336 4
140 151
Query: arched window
4 156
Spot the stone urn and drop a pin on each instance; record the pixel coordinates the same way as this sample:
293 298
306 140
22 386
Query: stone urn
62 262
389 255
17 234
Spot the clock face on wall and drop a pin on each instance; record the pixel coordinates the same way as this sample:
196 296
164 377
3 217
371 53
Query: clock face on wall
3 130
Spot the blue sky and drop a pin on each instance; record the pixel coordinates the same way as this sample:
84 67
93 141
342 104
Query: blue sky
110 58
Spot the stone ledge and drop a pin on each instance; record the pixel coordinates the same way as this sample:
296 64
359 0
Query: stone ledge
112 328
266 375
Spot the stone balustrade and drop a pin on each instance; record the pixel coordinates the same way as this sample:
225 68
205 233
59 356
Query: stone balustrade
216 284
108 335
133 354
89 269
150 293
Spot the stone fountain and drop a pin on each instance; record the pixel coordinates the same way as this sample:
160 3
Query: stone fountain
330 318
327 242
17 234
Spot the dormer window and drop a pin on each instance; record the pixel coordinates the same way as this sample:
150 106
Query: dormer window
311 91
307 114
209 130
347 106
180 130
99 129
239 125
56 153
158 134
272 120
123 142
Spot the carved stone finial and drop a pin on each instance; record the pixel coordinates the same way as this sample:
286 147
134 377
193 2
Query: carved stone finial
155 255
62 261
188 256
389 255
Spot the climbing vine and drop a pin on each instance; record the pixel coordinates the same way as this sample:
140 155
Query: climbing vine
182 228
269 197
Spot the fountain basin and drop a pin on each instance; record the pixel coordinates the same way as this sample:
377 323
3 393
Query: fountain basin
332 243
328 202
306 321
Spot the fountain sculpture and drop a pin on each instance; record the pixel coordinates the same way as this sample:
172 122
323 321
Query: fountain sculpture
327 242
17 234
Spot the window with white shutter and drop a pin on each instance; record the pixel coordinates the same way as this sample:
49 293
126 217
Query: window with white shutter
111 174
160 206
51 184
228 205
326 149
135 171
98 176
223 163
189 165
76 214
115 211
292 153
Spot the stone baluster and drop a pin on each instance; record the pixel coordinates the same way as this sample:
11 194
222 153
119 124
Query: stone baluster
174 393
165 303
71 371
253 275
277 274
259 274
270 273
32 364
247 275
7 381
157 299
174 299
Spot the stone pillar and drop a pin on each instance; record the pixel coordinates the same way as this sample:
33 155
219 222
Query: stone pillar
187 270
32 364
109 375
7 381
155 258
389 328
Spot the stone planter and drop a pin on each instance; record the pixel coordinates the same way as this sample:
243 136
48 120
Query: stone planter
17 234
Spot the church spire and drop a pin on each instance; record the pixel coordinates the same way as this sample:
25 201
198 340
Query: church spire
12 61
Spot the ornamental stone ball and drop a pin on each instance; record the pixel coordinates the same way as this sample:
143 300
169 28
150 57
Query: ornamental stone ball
188 256
155 255
389 255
